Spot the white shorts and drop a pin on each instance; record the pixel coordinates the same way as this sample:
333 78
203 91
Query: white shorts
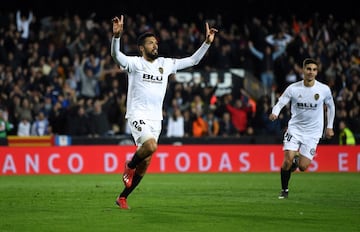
144 129
306 147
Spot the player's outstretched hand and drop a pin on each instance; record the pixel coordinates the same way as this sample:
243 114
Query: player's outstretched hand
210 33
118 26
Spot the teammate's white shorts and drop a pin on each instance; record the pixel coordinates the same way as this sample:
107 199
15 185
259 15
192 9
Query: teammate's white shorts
144 129
305 146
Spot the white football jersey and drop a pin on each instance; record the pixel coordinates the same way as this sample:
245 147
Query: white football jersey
307 108
147 87
148 80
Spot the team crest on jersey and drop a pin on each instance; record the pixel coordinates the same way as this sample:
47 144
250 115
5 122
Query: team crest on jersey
316 96
161 70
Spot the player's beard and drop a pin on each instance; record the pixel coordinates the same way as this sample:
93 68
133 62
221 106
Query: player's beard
152 55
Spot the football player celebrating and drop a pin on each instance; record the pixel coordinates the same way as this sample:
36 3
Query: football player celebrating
308 98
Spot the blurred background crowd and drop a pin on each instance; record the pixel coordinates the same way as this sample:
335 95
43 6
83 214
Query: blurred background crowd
57 76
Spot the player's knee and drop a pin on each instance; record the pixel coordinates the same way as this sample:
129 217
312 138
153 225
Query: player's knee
148 148
303 168
151 146
286 164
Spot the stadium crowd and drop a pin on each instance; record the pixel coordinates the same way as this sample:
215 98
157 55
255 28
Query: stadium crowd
57 76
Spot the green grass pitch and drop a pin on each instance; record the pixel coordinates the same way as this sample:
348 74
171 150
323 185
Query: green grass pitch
181 202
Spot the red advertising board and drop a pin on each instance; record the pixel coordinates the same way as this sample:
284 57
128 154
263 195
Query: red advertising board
168 159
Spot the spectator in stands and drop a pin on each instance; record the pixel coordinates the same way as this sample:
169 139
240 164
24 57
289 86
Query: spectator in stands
89 73
208 97
266 64
354 118
5 125
47 105
24 127
187 123
57 118
23 26
25 111
41 126
279 38
212 124
264 126
175 126
199 125
346 136
197 104
226 127
179 97
79 122
13 108
99 122
239 114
